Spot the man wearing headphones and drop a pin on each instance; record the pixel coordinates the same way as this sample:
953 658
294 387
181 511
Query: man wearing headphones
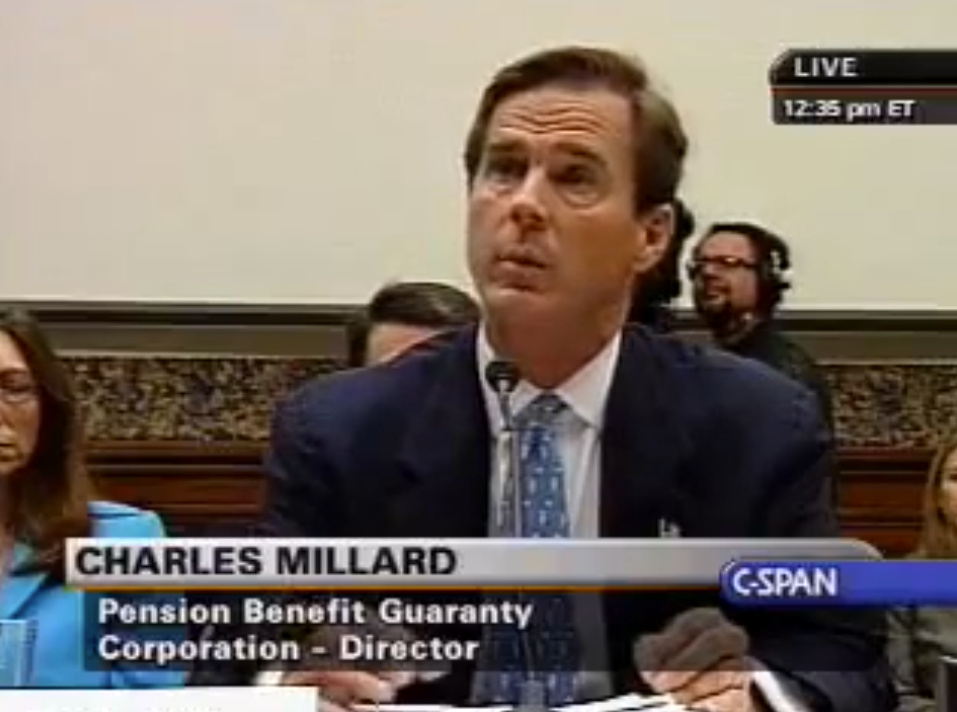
739 274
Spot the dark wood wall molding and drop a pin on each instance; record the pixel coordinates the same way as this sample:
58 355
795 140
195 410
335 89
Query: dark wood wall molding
217 487
196 487
187 314
881 496
318 329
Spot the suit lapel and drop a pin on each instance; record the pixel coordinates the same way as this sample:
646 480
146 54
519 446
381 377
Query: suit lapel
17 590
445 462
643 444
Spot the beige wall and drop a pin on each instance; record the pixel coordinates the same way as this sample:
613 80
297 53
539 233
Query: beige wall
307 150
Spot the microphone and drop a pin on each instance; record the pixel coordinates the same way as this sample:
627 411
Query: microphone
503 378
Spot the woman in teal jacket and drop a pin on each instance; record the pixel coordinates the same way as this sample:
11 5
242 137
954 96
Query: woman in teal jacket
45 498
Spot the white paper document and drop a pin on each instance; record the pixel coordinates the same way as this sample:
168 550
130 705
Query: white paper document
624 703
186 699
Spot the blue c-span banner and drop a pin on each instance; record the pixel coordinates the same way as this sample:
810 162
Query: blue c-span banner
840 583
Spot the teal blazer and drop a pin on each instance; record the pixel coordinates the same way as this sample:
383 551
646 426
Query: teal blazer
59 653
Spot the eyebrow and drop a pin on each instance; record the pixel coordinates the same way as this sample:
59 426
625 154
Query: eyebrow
579 151
503 145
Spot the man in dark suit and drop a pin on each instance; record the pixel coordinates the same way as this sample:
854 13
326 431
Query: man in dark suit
573 163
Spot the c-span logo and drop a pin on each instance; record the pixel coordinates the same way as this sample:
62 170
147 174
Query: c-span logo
762 583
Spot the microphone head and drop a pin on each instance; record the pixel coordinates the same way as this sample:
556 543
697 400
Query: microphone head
502 376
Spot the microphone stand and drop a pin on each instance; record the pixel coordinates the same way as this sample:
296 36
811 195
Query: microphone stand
503 379
946 693
533 697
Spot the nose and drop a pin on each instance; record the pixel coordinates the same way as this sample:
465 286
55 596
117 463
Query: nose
7 413
700 270
710 280
6 430
527 199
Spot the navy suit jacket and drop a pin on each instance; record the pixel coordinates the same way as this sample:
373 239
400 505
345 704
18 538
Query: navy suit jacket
720 446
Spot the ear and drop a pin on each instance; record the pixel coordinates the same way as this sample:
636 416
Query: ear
654 232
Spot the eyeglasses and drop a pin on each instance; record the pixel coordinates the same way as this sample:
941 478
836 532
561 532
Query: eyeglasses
719 263
17 387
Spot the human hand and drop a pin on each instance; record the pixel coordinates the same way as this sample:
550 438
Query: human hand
700 660
345 684
341 689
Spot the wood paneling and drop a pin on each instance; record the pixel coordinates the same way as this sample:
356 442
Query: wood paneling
196 487
217 487
881 496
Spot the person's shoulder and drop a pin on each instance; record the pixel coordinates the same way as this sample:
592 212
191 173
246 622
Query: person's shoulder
741 388
793 351
346 395
704 362
113 519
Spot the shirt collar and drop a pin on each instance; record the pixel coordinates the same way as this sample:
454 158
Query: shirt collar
585 393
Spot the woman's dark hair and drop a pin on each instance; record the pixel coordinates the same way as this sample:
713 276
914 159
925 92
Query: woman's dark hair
657 290
427 305
48 501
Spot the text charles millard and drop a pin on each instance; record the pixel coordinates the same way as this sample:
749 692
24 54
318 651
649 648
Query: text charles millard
289 561
149 632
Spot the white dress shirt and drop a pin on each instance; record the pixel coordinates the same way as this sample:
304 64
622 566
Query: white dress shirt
578 430
579 445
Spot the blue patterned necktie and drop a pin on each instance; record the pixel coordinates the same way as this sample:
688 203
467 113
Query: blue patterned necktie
555 654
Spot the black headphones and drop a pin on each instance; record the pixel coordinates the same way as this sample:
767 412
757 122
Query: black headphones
774 262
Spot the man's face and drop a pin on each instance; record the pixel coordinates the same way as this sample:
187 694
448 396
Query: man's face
551 221
725 276
388 341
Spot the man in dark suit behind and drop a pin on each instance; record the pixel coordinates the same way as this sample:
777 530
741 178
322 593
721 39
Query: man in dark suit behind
573 163
406 315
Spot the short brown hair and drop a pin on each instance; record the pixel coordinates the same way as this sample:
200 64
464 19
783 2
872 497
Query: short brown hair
428 305
659 141
938 536
49 501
